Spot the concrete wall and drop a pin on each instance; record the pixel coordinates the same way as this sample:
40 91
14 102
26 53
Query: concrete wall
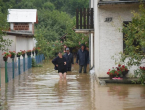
31 27
12 48
12 26
96 38
19 43
108 39
23 43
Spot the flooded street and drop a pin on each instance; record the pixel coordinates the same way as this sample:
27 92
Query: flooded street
41 89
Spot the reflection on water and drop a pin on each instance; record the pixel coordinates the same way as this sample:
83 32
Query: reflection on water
121 92
41 89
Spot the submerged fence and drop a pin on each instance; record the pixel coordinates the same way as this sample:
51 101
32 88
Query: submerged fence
19 66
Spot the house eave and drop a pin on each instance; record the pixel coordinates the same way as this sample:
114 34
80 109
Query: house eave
84 30
118 2
19 33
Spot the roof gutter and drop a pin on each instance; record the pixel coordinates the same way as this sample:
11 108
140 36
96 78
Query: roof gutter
118 2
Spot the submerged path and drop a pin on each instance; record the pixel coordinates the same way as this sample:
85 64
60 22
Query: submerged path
41 89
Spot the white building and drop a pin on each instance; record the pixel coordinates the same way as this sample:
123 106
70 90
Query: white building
105 38
21 30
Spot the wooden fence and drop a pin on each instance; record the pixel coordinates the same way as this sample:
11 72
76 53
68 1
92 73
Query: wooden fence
85 18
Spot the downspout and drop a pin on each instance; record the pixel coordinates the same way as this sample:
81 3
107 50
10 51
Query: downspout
91 3
90 52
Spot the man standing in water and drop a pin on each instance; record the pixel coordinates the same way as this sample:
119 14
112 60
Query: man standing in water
82 58
69 59
60 63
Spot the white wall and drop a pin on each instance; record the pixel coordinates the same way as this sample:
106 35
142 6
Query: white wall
11 48
19 43
96 37
108 39
23 43
12 26
31 27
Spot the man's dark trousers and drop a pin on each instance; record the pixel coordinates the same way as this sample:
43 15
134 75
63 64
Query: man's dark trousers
81 67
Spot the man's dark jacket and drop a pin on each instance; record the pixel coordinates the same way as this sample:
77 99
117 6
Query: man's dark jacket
55 62
82 57
69 59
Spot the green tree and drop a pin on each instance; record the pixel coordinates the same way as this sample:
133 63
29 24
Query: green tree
70 6
4 43
55 18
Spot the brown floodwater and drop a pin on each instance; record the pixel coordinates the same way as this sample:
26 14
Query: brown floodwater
41 89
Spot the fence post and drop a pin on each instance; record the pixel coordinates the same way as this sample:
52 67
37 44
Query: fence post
13 68
39 58
43 57
6 72
0 77
24 64
30 62
36 58
19 65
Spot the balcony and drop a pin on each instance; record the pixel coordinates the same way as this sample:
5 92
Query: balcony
84 20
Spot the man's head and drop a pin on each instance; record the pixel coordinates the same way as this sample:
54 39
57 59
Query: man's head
60 54
67 50
83 47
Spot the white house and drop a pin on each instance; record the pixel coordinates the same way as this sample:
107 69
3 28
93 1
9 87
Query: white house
21 30
102 25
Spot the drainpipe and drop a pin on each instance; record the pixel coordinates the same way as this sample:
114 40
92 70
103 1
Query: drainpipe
90 50
91 53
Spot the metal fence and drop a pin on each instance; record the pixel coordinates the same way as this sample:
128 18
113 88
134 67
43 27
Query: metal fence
39 58
15 68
